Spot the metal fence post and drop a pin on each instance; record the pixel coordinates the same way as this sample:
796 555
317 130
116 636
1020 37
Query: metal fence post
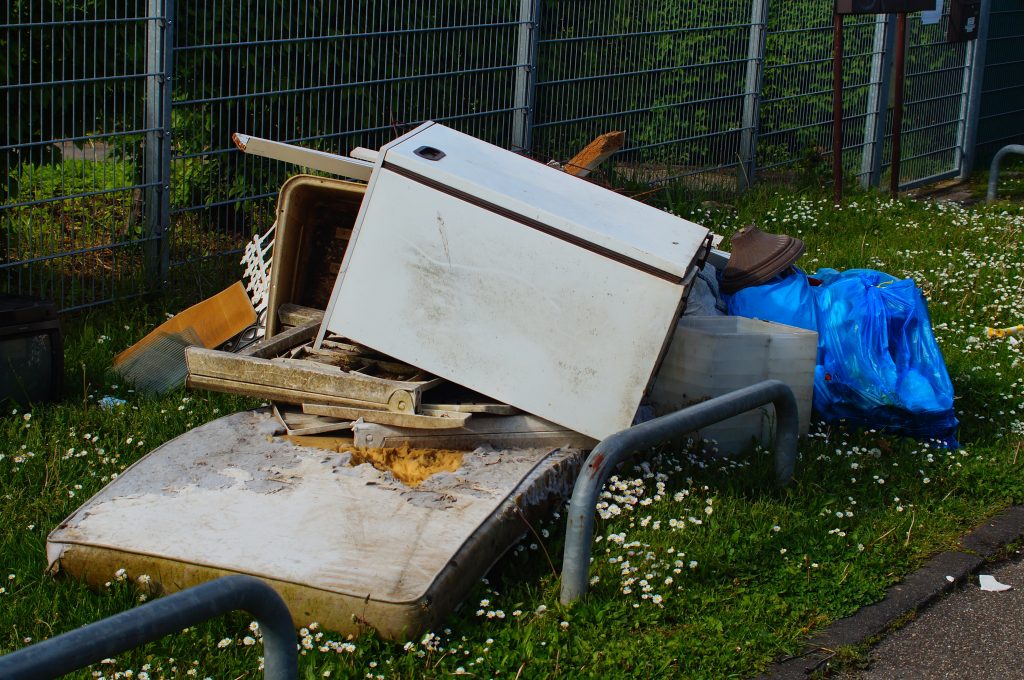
526 75
752 91
974 75
878 102
157 150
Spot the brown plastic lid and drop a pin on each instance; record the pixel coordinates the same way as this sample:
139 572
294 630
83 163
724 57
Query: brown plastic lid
756 257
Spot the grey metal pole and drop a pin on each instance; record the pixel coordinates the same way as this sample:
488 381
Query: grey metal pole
153 148
752 91
969 137
878 102
993 171
526 75
165 146
623 445
109 637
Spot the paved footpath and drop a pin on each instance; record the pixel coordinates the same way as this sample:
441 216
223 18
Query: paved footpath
960 630
969 633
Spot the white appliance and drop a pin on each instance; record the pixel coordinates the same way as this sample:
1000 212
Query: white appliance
514 279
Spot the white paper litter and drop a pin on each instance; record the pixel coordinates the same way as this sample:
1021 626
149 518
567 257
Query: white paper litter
950 579
989 582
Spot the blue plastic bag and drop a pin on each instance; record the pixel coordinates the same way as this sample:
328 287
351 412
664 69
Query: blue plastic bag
785 299
879 365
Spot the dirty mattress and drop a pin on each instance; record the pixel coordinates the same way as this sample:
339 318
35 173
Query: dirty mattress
346 545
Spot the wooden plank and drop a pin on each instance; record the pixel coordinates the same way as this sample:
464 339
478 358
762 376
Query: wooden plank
282 341
595 153
450 421
291 314
494 409
297 423
512 432
302 377
270 392
307 158
343 357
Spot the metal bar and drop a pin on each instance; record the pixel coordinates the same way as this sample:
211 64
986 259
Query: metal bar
76 81
342 86
153 166
105 21
993 172
897 105
164 219
621 446
639 34
664 69
525 79
79 138
71 253
151 621
928 180
68 197
346 36
878 102
752 92
972 95
655 107
837 107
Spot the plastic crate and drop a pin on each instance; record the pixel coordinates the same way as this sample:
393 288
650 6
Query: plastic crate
712 355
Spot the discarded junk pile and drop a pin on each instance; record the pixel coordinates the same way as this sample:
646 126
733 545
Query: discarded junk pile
466 292
468 322
475 318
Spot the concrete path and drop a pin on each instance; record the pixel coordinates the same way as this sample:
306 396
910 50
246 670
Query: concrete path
969 633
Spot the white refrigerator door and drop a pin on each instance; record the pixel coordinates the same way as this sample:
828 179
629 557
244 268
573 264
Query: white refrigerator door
575 208
539 317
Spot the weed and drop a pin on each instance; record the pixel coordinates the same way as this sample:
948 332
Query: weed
702 568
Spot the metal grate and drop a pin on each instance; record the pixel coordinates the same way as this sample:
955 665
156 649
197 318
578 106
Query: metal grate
1002 92
672 75
120 170
72 210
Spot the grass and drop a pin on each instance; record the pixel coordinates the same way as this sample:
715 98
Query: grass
701 568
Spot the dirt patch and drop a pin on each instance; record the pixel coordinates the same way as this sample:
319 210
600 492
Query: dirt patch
409 466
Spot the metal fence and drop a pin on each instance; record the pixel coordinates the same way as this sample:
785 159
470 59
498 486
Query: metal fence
118 113
1001 96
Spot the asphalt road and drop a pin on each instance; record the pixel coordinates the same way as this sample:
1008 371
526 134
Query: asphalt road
969 633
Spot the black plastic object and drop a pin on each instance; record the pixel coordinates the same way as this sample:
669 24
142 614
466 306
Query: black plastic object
430 153
31 350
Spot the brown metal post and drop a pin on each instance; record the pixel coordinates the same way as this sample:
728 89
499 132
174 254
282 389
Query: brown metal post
897 105
837 107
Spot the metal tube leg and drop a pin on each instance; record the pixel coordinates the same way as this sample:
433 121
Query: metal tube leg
111 636
622 445
993 172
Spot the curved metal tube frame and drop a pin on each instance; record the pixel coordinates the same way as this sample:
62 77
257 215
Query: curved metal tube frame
622 445
993 172
111 636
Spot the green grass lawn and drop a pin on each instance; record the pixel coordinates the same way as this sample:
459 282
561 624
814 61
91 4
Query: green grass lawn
701 569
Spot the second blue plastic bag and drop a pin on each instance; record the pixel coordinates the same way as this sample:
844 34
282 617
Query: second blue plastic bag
879 365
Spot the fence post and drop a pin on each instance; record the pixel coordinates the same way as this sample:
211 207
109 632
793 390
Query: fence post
752 92
878 102
157 151
974 76
526 75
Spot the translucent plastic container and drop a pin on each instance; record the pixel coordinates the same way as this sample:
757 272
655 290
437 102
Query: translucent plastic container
712 355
